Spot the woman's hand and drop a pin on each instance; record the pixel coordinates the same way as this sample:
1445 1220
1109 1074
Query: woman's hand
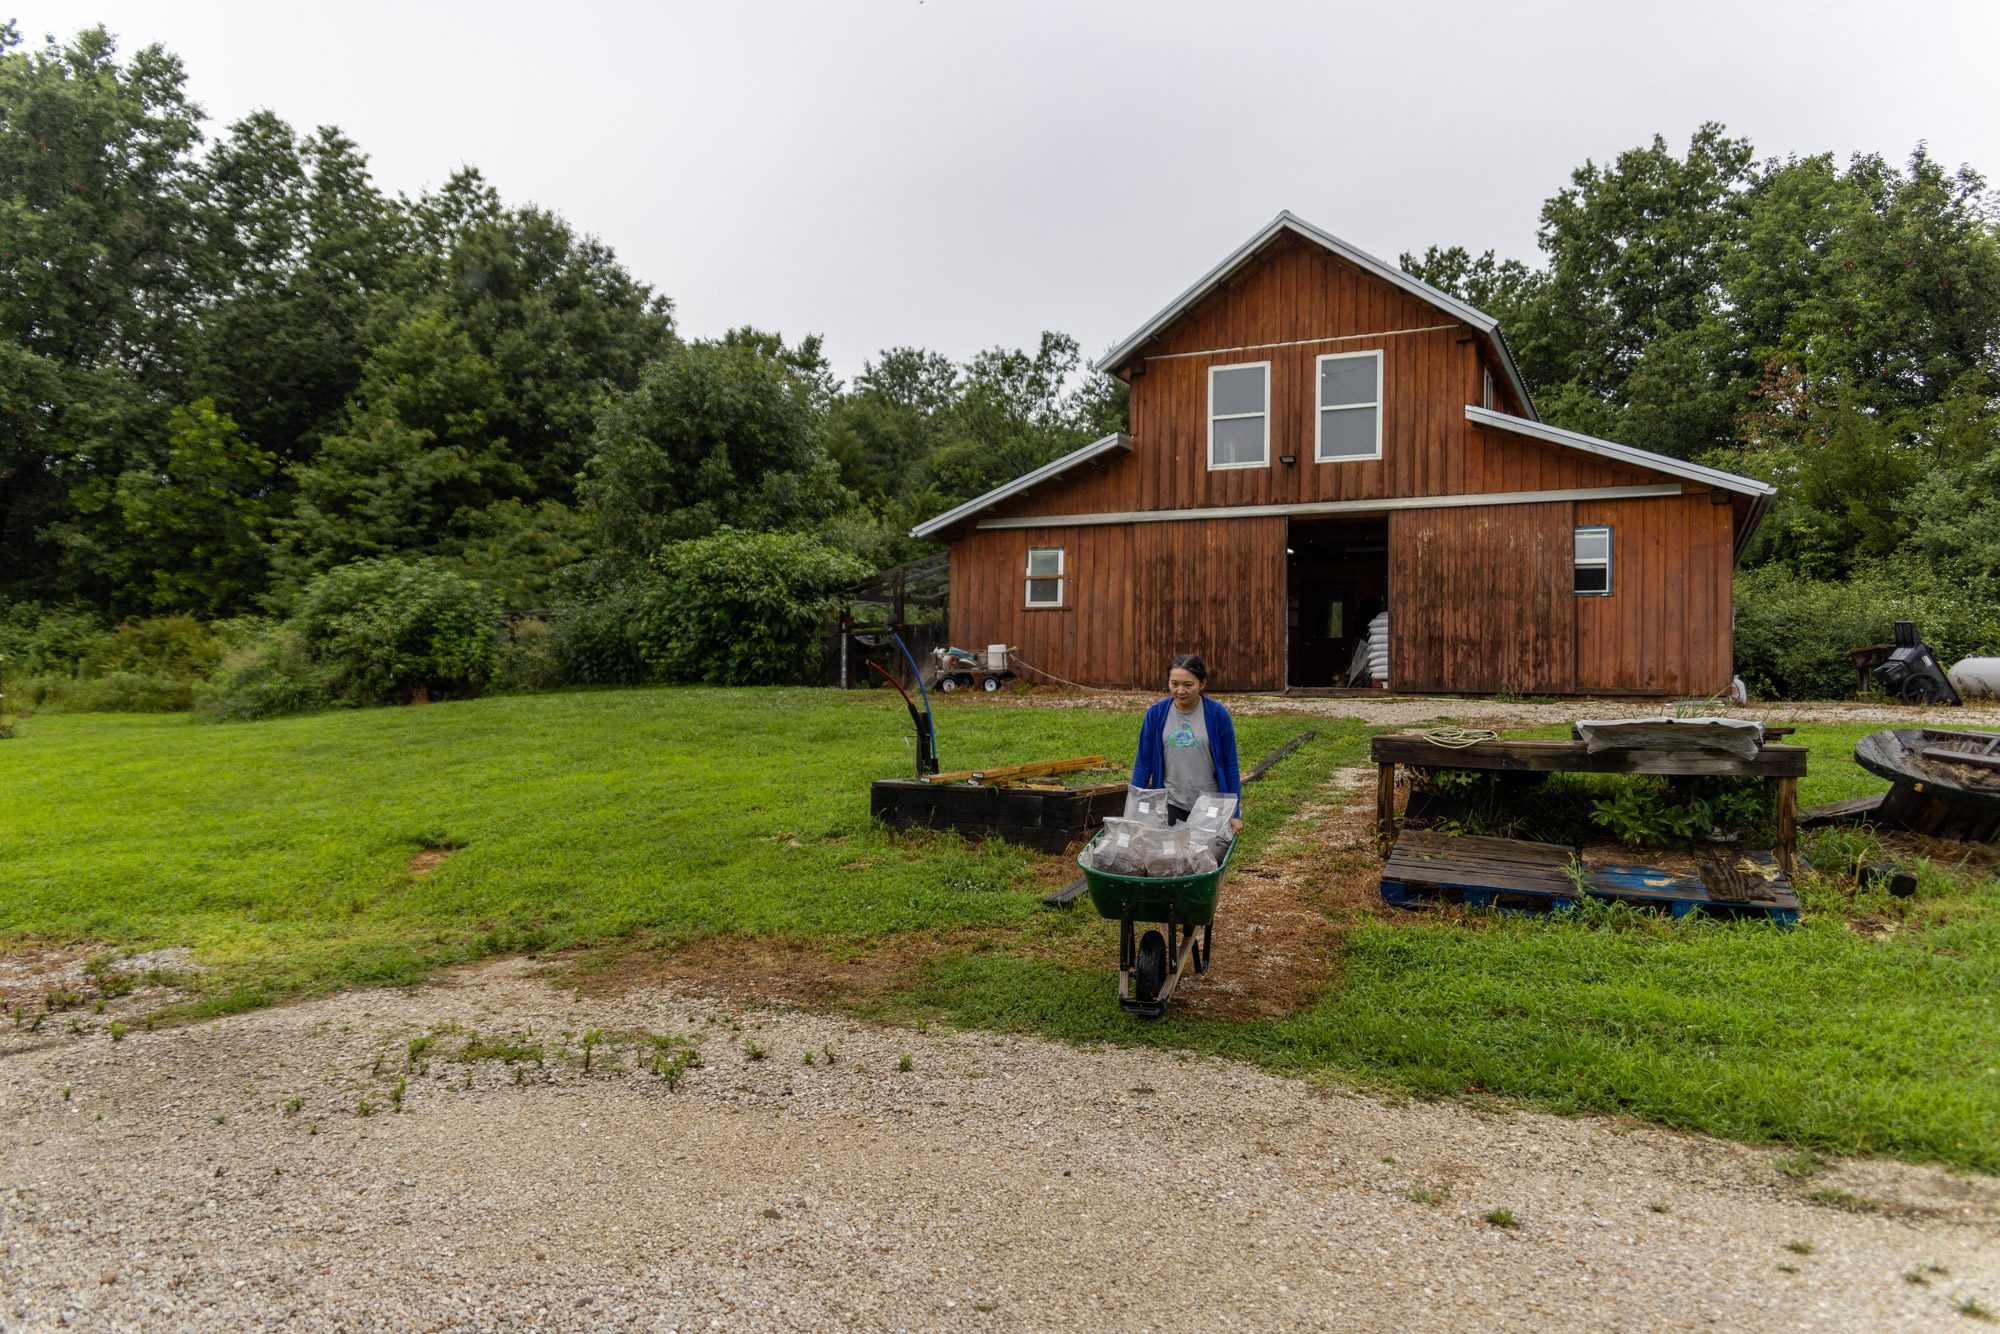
1235 826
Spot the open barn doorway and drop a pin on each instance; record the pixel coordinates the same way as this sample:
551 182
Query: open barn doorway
1336 582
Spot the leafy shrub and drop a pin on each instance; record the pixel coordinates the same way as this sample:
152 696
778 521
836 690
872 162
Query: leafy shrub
1642 817
1651 813
178 648
1793 634
597 640
266 677
392 631
46 641
116 692
527 660
742 608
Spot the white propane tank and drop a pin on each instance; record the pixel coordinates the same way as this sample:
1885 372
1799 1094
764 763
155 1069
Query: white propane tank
1976 678
996 657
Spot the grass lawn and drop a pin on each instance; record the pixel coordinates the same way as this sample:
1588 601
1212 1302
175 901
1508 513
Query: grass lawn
280 851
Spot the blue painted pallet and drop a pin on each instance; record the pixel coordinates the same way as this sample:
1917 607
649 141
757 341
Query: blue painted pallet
1513 875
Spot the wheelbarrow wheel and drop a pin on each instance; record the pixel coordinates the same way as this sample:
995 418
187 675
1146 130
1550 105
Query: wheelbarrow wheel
1150 973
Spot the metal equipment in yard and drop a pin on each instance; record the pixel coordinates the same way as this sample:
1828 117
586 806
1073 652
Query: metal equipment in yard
962 669
924 723
1911 672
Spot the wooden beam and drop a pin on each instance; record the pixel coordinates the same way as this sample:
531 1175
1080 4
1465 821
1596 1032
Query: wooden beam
1264 765
1535 756
1385 808
1788 826
1038 769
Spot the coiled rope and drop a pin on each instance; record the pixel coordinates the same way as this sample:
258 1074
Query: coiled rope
1458 738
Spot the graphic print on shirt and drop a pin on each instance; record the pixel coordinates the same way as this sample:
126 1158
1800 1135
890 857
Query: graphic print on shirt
1183 738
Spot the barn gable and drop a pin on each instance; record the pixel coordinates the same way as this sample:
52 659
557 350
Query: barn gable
1511 555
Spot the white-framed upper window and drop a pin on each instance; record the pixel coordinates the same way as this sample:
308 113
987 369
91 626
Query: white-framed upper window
1593 562
1349 422
1239 415
1489 389
1045 576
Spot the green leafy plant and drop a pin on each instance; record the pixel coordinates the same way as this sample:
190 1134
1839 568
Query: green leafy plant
1643 817
392 631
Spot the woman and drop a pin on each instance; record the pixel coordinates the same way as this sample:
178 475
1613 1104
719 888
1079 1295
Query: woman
1187 744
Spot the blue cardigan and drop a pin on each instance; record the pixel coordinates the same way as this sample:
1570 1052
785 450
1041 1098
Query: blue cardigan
1149 768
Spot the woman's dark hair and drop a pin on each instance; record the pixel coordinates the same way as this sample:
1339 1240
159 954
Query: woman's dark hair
1193 662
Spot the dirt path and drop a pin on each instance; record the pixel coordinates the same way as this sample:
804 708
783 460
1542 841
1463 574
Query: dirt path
221 1176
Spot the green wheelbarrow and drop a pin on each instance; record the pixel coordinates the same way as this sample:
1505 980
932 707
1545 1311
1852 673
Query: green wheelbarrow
1150 966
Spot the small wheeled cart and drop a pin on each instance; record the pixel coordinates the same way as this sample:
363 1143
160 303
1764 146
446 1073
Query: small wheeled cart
1150 966
969 678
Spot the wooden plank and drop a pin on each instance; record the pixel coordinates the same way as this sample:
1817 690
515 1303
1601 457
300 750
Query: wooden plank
1264 765
1038 769
1758 887
1841 812
1788 826
1538 756
1385 807
1960 756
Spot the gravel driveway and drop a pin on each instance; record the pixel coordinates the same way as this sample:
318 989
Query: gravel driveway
223 1176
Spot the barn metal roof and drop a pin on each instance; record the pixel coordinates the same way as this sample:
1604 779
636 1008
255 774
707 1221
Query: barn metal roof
1287 221
1761 494
1611 449
1095 449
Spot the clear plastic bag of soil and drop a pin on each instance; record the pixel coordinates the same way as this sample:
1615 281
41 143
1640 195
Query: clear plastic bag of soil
1175 851
1146 805
1114 854
1210 818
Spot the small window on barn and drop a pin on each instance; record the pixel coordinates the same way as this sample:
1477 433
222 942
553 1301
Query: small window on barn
1350 407
1239 415
1593 561
1045 576
1489 390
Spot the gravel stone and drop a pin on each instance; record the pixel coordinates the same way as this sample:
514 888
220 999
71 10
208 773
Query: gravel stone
1002 1182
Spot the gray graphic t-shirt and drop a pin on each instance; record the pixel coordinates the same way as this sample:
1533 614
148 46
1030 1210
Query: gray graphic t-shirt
1190 771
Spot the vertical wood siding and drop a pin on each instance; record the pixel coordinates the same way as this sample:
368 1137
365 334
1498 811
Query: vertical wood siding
1481 599
1666 625
1134 596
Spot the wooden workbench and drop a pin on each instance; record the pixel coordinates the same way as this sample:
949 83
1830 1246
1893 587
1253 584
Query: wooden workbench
1780 765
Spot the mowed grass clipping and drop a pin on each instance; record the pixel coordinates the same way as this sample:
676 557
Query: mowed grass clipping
281 851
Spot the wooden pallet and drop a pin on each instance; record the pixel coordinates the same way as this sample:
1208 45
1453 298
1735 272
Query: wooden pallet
1514 875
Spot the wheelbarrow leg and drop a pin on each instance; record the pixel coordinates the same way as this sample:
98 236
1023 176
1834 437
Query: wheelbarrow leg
1128 950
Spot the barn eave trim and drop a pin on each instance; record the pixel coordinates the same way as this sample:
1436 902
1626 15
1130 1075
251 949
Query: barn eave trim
1054 468
1377 505
1610 449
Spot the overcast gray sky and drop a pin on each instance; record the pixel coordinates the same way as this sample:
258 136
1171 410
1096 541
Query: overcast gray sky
957 175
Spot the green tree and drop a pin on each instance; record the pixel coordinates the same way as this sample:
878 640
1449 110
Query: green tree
96 186
302 255
716 434
200 513
1015 411
562 322
414 458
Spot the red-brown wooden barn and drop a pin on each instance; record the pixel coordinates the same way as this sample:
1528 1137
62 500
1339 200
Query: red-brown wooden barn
1318 437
